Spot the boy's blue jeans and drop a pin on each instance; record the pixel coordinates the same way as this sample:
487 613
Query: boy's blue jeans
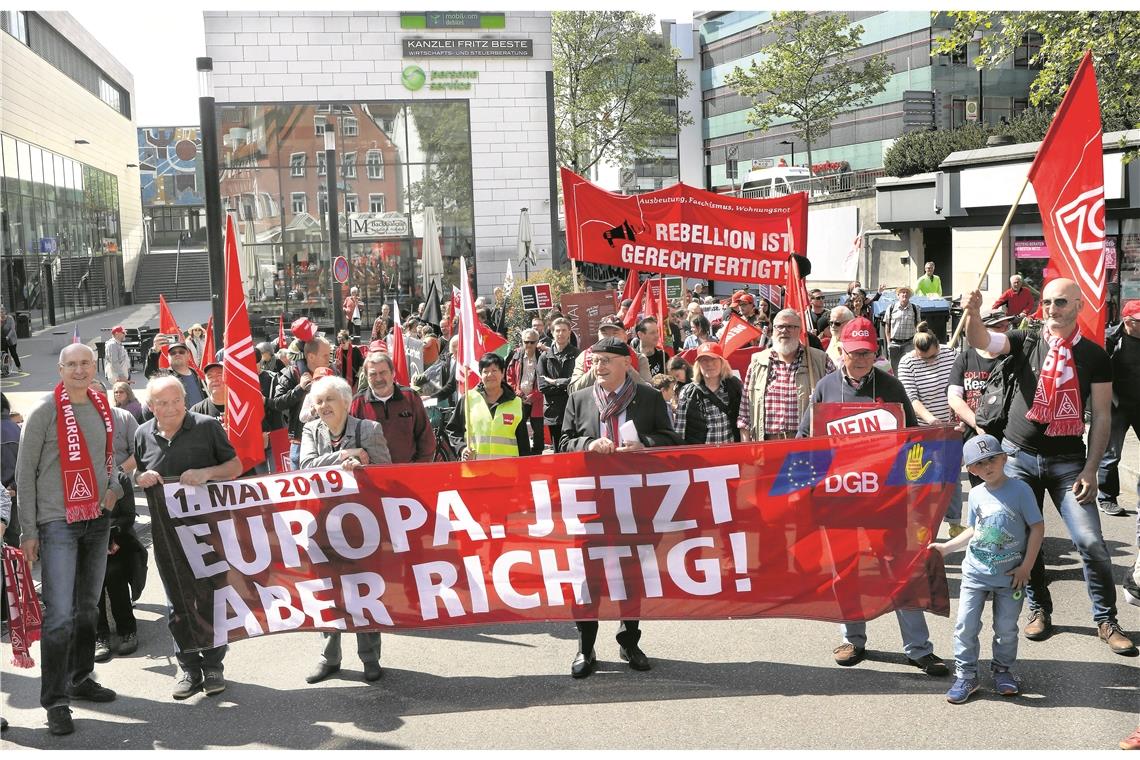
971 604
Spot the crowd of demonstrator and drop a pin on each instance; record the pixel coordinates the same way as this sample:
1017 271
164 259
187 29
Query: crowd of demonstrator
340 405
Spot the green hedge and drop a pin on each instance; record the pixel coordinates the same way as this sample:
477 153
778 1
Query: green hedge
918 152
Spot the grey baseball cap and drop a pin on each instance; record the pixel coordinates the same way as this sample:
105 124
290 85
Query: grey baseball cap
977 449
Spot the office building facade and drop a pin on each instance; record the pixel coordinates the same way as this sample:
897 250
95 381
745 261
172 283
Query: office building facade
71 217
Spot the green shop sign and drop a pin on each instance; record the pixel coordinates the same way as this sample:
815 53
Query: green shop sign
413 77
452 80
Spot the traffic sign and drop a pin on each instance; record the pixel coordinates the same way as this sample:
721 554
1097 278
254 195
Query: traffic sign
340 269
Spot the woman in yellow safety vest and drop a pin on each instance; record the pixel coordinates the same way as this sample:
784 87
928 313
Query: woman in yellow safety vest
495 415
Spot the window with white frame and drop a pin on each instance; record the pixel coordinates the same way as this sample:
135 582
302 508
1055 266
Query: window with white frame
376 203
348 126
318 125
300 203
348 166
375 163
297 165
320 163
322 203
351 203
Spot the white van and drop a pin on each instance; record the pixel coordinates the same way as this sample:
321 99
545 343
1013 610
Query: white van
775 181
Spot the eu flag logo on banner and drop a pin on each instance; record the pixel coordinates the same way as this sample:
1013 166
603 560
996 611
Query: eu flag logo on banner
924 463
801 469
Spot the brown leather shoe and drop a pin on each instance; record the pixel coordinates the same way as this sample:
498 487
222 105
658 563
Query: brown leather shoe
847 654
1039 626
1110 633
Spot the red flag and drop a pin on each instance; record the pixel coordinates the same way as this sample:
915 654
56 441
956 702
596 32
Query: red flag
166 326
1068 178
634 311
737 333
208 350
632 283
796 295
244 405
396 348
281 331
662 314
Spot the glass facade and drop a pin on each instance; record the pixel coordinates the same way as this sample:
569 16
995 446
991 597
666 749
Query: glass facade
59 219
394 161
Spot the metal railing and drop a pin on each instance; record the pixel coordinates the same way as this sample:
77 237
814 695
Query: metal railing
821 187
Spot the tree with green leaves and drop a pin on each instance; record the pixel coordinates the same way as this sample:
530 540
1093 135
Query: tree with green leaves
803 75
613 81
1113 37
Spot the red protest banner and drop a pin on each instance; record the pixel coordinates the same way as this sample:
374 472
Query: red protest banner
685 230
820 528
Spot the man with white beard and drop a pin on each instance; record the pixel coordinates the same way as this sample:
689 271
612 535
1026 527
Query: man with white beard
778 384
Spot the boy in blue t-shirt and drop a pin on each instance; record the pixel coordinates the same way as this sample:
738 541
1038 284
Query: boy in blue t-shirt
1004 533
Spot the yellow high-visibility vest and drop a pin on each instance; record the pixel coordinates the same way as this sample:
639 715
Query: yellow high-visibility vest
493 437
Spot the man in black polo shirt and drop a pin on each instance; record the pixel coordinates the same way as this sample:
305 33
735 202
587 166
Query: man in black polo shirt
1063 374
193 448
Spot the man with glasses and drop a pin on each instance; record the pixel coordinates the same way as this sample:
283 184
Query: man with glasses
859 380
1060 376
63 516
819 314
779 382
179 354
1123 346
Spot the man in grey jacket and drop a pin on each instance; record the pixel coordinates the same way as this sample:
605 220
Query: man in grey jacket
73 551
117 362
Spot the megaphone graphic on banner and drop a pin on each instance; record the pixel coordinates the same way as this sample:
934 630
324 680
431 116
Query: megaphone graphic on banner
621 232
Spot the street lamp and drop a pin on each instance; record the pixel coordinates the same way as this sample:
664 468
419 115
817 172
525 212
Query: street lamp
334 221
792 145
146 231
210 176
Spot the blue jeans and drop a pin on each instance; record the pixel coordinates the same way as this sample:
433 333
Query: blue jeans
295 455
1057 475
971 604
912 626
1108 475
954 511
73 562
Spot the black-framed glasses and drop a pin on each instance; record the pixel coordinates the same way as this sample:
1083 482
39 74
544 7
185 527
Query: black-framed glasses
833 323
1060 303
817 298
530 342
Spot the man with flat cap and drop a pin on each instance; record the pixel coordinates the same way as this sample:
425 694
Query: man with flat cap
593 421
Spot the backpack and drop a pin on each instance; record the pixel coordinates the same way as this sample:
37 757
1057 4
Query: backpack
993 405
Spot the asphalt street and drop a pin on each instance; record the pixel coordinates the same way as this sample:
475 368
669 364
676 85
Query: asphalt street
746 684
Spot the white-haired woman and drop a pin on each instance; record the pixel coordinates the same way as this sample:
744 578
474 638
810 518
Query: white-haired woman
196 342
337 438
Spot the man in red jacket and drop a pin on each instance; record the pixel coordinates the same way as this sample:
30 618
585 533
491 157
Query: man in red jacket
1018 300
398 410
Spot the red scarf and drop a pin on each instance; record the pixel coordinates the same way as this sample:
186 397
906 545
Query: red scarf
1057 400
80 481
23 607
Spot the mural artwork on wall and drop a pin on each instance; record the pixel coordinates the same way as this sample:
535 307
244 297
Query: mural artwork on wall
169 169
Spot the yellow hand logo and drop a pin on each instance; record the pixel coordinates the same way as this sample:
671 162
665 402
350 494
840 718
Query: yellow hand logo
915 467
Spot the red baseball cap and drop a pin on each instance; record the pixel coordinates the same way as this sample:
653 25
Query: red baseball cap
1131 309
710 349
859 335
303 329
118 329
377 345
747 298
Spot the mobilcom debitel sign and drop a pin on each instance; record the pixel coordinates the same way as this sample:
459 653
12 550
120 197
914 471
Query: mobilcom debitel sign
468 47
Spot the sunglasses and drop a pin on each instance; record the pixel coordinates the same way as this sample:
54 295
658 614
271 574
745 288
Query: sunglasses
178 352
530 342
837 324
1060 303
817 298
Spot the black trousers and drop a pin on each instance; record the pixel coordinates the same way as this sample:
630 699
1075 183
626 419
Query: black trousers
537 436
629 633
556 436
117 587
